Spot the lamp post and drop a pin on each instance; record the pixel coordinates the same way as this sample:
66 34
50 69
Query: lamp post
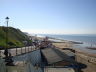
7 20
6 49
8 59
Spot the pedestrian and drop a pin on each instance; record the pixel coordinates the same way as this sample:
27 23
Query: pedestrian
6 53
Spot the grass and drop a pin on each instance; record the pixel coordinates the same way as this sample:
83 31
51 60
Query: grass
15 37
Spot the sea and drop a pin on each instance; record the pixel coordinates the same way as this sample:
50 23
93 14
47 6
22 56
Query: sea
88 40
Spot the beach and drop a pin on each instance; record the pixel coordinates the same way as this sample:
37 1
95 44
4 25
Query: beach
65 46
77 47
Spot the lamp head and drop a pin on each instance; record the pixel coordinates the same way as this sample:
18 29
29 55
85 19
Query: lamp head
7 18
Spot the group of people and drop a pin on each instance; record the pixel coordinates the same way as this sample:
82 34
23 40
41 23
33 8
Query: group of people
45 43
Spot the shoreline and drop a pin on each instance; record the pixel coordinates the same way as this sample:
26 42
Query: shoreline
70 44
60 40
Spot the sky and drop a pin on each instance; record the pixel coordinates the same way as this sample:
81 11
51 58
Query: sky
50 16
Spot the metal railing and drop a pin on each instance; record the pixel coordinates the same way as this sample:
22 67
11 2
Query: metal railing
19 51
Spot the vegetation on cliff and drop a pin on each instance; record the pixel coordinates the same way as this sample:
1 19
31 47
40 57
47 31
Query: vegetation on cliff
16 38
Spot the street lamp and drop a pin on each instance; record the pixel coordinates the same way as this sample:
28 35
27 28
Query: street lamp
6 49
7 19
8 59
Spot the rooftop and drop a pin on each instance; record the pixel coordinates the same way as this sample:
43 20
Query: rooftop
58 70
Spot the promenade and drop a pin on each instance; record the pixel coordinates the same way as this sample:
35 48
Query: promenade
19 51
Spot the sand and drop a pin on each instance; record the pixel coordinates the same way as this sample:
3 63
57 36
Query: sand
63 45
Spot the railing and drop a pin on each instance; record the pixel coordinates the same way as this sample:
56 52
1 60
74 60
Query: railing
19 51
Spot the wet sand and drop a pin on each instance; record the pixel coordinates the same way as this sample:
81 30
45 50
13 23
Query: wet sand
83 50
63 45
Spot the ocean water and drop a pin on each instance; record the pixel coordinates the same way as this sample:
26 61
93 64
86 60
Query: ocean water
86 39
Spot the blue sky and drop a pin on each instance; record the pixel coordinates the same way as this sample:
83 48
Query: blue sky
50 16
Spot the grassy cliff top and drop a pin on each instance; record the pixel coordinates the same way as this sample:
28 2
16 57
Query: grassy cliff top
16 37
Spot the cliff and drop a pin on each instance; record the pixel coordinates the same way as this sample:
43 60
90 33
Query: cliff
16 37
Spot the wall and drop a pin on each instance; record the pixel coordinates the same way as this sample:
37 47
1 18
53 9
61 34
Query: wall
2 65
